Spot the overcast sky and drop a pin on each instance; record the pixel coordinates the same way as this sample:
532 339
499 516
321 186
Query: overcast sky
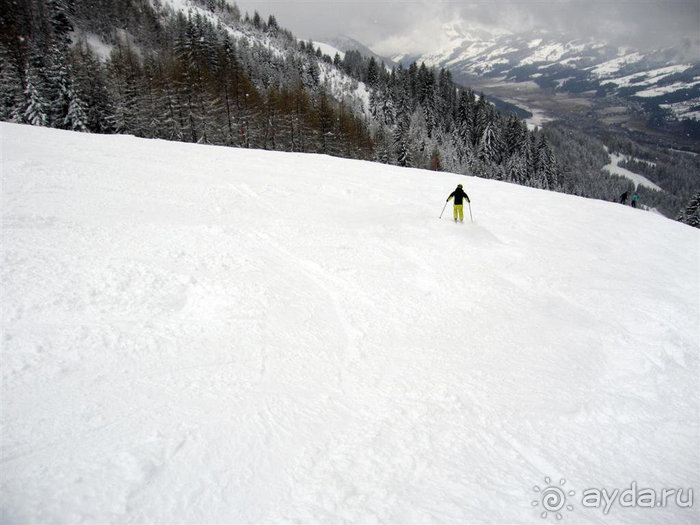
396 26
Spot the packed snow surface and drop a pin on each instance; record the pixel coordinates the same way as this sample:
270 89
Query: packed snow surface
639 180
612 67
329 50
687 109
665 90
648 78
195 334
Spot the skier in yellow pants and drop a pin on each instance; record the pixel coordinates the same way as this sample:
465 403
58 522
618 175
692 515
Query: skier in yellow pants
459 195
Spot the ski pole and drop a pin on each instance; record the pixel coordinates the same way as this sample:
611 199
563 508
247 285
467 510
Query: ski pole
443 209
470 211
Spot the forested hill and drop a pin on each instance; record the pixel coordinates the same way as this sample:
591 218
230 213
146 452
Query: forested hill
201 71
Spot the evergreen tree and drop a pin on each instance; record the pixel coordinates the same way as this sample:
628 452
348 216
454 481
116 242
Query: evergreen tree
11 92
372 73
546 167
123 80
513 136
691 214
482 116
530 158
325 119
401 143
272 26
313 75
58 85
465 117
76 114
90 84
59 14
489 146
270 120
421 145
516 169
34 110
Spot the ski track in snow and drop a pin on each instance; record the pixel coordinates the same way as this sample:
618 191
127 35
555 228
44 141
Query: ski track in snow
202 334
638 180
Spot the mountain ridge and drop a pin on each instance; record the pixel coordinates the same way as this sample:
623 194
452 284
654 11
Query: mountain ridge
664 79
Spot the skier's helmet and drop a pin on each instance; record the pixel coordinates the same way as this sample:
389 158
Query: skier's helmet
459 185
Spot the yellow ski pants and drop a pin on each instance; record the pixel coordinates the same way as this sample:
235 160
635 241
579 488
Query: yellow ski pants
459 212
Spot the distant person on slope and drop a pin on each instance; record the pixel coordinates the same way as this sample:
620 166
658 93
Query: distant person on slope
623 198
635 198
458 196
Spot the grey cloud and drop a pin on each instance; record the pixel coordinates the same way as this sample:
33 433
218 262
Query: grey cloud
645 23
414 26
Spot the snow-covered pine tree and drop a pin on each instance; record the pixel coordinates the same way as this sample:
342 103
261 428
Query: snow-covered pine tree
372 73
124 71
388 110
34 109
58 85
489 149
691 214
272 26
312 75
59 12
513 136
401 144
419 141
465 117
482 116
76 115
11 92
382 145
89 81
445 100
530 158
546 168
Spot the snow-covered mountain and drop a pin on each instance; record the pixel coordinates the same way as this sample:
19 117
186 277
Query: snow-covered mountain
202 334
663 78
335 80
344 43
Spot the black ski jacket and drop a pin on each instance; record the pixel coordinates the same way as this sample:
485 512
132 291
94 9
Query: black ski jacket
458 194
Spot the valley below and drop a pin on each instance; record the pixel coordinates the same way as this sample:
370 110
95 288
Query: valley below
586 111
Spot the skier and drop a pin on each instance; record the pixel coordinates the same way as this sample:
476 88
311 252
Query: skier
458 195
635 198
623 198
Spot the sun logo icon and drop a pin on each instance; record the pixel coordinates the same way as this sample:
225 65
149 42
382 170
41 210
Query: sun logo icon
553 498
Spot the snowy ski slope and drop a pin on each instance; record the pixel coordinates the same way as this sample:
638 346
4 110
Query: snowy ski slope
196 334
615 168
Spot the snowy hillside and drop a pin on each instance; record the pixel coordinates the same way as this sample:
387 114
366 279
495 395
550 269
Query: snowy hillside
338 84
639 180
211 335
